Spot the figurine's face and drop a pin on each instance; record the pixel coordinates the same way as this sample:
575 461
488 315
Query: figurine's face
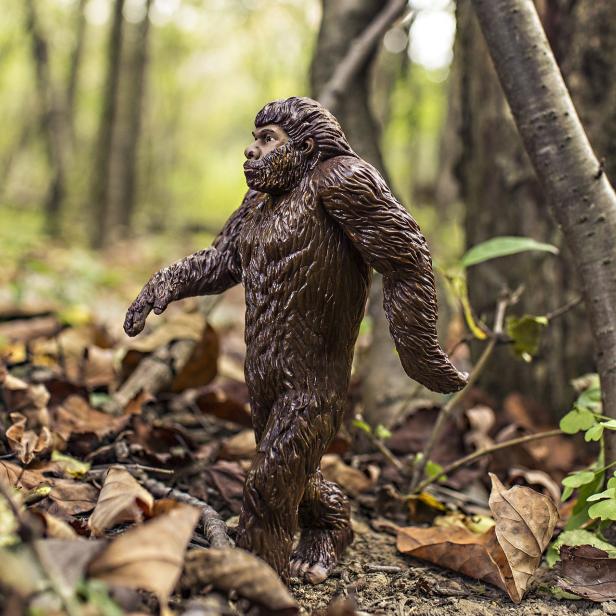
275 164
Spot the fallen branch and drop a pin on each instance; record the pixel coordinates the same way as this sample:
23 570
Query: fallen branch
214 527
359 52
157 371
480 453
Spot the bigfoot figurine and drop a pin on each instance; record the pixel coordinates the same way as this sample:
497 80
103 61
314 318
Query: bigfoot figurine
314 222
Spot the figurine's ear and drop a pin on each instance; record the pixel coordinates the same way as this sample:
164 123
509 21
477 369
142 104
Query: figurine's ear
309 145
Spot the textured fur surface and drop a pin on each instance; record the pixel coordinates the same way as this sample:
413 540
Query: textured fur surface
304 257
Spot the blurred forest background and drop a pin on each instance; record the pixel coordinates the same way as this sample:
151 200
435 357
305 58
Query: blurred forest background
124 124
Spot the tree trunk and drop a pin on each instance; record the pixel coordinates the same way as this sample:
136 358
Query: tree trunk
75 65
51 122
133 102
575 184
101 173
503 197
384 382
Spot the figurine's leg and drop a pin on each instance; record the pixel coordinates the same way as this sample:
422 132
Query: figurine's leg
289 451
324 516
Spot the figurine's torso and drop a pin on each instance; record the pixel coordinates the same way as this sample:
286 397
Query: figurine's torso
306 288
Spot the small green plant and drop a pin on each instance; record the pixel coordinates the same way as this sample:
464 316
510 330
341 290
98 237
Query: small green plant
595 485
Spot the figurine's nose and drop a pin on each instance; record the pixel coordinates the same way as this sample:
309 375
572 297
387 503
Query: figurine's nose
251 152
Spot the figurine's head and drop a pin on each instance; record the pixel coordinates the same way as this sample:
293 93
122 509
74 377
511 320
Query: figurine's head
291 136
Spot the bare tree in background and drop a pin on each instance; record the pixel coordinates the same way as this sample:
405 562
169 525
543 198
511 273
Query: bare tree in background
132 105
101 173
75 65
503 197
51 120
575 183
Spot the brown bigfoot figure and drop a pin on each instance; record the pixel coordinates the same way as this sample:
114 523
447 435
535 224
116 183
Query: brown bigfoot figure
315 221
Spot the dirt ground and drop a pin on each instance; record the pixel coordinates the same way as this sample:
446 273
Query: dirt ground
406 586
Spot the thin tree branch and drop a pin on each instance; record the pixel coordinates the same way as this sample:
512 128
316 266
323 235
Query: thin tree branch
359 53
480 453
455 400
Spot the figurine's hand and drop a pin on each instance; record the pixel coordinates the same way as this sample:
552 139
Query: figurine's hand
152 297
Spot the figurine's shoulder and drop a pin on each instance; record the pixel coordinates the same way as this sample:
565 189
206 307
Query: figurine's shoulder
252 199
339 170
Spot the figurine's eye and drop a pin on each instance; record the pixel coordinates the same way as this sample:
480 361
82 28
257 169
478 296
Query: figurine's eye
268 138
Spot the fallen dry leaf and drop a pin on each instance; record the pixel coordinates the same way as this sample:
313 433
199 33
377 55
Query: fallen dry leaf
149 556
54 527
588 572
350 479
239 446
20 396
67 496
227 478
238 570
506 555
121 499
27 444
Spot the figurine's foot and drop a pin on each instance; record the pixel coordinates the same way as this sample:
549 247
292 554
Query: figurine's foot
318 552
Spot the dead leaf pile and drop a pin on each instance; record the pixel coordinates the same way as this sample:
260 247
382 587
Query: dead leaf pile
588 572
506 555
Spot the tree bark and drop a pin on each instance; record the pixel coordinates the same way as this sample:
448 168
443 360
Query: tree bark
51 122
582 199
101 173
383 381
503 197
75 66
134 100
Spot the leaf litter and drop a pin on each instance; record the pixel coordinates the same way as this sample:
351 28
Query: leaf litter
83 505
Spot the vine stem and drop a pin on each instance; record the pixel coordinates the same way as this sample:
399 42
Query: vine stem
449 407
484 452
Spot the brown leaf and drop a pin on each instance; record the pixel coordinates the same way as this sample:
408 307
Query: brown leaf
94 367
21 397
27 444
149 556
525 521
588 572
352 480
121 499
77 421
228 479
506 555
54 527
226 399
238 446
67 496
238 570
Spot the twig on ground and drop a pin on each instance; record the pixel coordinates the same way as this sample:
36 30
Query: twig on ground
214 526
450 406
484 452
372 568
359 52
383 449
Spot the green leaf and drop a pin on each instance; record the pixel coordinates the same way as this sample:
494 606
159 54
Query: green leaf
433 469
609 425
578 479
606 510
566 495
594 433
503 246
526 334
577 537
381 432
362 425
579 515
577 420
609 493
70 466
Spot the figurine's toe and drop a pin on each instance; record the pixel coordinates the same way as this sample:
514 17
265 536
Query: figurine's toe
317 574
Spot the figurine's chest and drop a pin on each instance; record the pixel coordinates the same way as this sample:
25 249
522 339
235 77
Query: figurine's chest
279 228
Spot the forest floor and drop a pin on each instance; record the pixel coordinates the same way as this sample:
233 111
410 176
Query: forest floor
89 464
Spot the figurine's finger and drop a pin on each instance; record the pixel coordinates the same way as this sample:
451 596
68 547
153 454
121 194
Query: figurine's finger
136 317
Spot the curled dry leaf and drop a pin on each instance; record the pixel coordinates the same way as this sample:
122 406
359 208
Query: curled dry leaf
588 572
149 556
506 555
27 444
54 527
250 577
121 499
352 480
239 446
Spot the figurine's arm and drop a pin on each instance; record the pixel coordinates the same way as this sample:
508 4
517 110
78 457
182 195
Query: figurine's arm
206 272
389 239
